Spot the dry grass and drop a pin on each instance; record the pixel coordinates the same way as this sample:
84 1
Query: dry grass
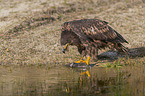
30 29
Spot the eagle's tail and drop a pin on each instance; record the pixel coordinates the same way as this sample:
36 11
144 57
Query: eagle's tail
122 48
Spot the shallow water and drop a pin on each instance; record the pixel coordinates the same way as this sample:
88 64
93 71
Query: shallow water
64 81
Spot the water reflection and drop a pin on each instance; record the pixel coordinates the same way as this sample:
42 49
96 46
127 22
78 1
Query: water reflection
60 80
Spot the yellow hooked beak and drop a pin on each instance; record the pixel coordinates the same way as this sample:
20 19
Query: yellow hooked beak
66 47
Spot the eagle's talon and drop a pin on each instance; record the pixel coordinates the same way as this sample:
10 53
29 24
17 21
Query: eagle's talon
84 61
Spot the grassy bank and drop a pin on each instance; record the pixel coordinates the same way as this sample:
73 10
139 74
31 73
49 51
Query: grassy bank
30 29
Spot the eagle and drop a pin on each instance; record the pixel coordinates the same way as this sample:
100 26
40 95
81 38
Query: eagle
90 35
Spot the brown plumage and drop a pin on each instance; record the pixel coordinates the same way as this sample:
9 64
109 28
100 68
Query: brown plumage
89 35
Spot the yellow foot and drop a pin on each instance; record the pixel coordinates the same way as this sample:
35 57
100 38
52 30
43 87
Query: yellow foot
84 61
